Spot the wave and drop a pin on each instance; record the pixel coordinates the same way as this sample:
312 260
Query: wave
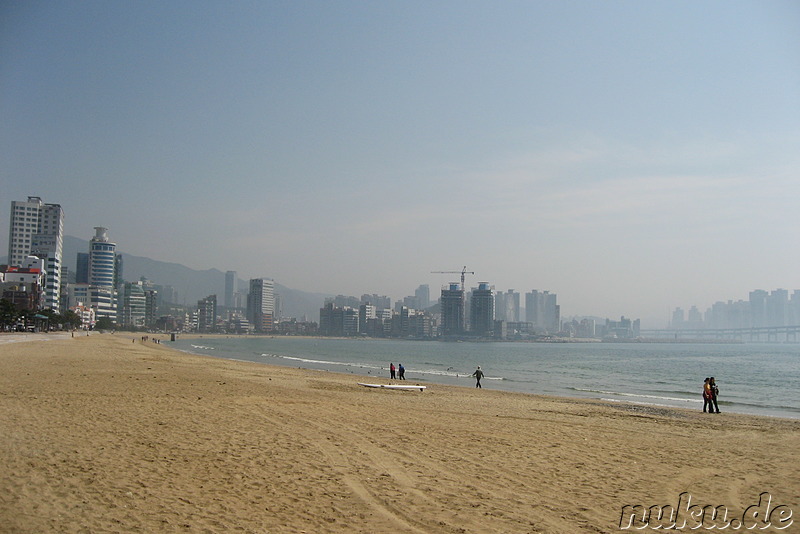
201 347
656 398
325 362
639 403
639 395
781 407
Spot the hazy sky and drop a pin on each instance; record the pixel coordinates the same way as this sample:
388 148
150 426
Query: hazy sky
630 156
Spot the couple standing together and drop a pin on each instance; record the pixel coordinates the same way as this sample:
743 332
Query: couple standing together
400 372
710 392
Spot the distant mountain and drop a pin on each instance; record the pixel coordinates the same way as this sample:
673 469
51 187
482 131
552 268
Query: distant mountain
193 285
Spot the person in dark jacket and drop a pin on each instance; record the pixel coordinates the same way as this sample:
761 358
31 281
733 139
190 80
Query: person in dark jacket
478 374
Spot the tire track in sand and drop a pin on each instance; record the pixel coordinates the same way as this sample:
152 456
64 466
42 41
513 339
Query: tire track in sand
335 453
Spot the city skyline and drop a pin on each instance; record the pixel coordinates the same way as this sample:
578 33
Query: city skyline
763 308
631 158
723 312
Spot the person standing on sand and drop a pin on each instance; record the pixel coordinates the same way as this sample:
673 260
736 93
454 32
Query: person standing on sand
478 374
391 371
401 371
714 392
707 396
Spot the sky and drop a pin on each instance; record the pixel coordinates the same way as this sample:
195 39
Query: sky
631 157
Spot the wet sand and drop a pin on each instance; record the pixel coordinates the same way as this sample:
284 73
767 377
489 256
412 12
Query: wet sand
107 433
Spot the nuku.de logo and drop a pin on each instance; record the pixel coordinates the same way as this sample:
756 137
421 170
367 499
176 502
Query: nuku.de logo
688 516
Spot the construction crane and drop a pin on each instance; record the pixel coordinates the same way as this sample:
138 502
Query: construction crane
463 272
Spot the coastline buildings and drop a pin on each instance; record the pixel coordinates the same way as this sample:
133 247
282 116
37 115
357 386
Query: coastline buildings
367 320
37 229
261 304
338 321
762 309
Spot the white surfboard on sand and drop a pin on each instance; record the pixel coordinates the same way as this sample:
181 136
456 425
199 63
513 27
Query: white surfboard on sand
391 386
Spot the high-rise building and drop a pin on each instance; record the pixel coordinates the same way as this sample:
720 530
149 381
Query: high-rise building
102 263
118 267
381 302
150 306
542 310
338 321
230 288
481 310
694 319
507 306
778 308
82 268
423 294
512 306
133 305
261 304
453 310
500 306
794 308
366 313
207 314
758 307
37 229
678 318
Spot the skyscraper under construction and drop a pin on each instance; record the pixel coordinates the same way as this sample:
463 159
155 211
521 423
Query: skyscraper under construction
453 309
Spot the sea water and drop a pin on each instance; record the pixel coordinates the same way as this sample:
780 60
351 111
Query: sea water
759 379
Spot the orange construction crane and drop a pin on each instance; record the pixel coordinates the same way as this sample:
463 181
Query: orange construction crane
463 272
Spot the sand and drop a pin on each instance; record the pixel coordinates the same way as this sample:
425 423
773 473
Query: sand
106 433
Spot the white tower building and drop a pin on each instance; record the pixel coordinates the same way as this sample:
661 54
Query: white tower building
102 255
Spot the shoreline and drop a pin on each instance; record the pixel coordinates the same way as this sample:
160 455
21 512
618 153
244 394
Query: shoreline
164 339
105 433
596 393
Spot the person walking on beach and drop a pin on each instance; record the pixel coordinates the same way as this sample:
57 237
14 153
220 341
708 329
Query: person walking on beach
707 396
478 374
391 371
714 392
401 371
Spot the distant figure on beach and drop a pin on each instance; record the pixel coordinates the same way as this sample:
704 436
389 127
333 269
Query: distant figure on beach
391 371
707 396
401 371
478 374
714 392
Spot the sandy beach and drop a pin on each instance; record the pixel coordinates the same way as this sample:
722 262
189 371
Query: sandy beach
107 433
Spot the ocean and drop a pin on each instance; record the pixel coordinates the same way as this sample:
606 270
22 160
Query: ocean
759 379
